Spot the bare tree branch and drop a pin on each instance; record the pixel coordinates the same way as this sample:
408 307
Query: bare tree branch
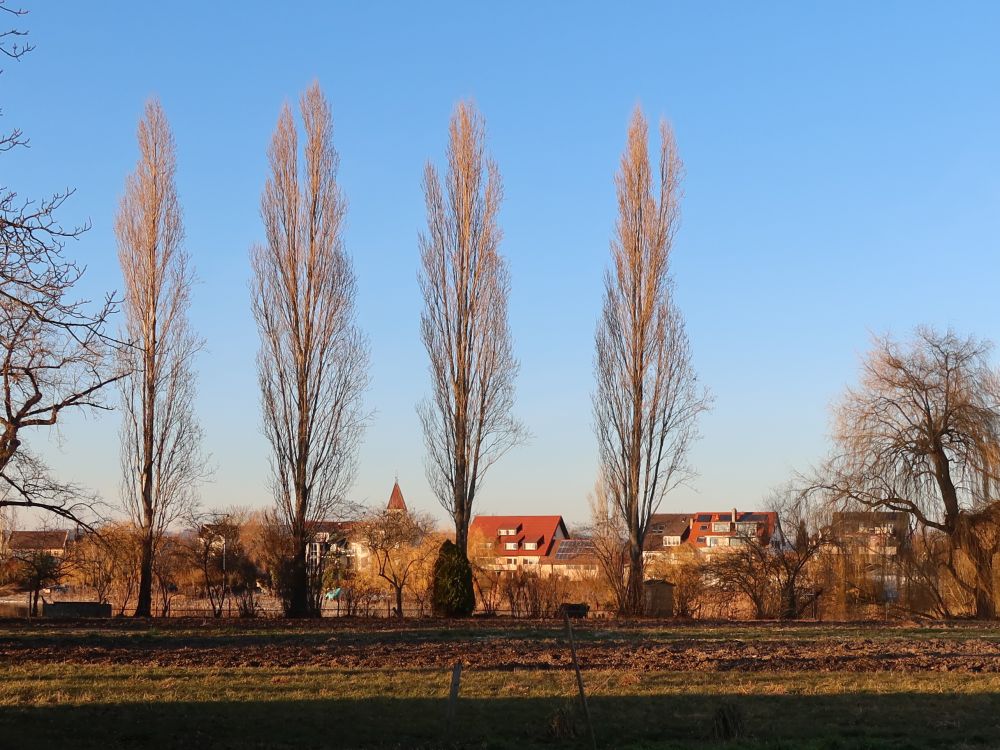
313 360
467 422
162 460
54 352
921 435
647 399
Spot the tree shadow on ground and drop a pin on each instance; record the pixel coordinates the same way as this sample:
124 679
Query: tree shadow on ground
842 722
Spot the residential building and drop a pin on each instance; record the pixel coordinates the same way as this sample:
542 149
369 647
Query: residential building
874 533
335 537
666 534
37 542
715 532
515 542
574 559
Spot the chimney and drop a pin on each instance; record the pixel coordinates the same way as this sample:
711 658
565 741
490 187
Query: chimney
734 520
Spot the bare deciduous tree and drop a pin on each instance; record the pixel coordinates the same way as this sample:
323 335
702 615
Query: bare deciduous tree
467 422
395 540
921 435
609 535
647 399
53 347
313 359
162 460
772 568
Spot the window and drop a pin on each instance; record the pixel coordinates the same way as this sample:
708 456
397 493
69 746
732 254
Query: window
701 540
718 541
720 527
510 545
531 545
506 532
671 541
746 528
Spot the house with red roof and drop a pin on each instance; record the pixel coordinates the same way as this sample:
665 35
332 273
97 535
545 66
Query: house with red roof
515 542
714 532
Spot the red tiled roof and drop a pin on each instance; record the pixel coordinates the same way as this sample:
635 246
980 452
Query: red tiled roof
540 529
396 501
767 522
37 540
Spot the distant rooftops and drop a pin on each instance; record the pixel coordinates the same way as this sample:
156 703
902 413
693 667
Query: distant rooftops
37 541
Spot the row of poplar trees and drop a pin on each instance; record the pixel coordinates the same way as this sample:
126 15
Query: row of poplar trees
61 353
313 358
921 433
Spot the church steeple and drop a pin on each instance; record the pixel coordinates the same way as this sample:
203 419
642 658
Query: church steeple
396 501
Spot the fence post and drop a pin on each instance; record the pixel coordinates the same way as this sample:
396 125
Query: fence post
579 681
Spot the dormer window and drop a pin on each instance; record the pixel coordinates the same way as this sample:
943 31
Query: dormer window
510 545
531 545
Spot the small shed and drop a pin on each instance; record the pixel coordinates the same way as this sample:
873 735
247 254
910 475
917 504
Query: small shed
658 598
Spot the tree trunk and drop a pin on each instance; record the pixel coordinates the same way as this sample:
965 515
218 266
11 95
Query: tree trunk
399 602
144 607
986 607
462 530
298 601
789 603
633 587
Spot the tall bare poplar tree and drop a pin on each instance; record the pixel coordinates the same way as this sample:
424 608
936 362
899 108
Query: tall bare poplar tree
467 422
54 353
162 460
313 360
647 399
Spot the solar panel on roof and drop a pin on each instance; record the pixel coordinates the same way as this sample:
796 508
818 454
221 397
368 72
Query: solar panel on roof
704 517
572 547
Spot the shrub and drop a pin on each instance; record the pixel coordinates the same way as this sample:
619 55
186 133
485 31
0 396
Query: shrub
452 594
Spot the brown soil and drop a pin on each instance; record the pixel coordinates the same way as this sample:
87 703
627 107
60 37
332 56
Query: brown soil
501 645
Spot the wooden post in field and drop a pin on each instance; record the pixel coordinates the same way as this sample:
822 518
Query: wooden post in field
456 678
579 681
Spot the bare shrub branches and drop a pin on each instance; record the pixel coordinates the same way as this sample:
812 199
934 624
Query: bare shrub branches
647 398
162 460
313 360
467 422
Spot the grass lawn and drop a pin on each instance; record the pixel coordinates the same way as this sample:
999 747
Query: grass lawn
86 706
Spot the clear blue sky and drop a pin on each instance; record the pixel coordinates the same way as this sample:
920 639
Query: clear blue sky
843 179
